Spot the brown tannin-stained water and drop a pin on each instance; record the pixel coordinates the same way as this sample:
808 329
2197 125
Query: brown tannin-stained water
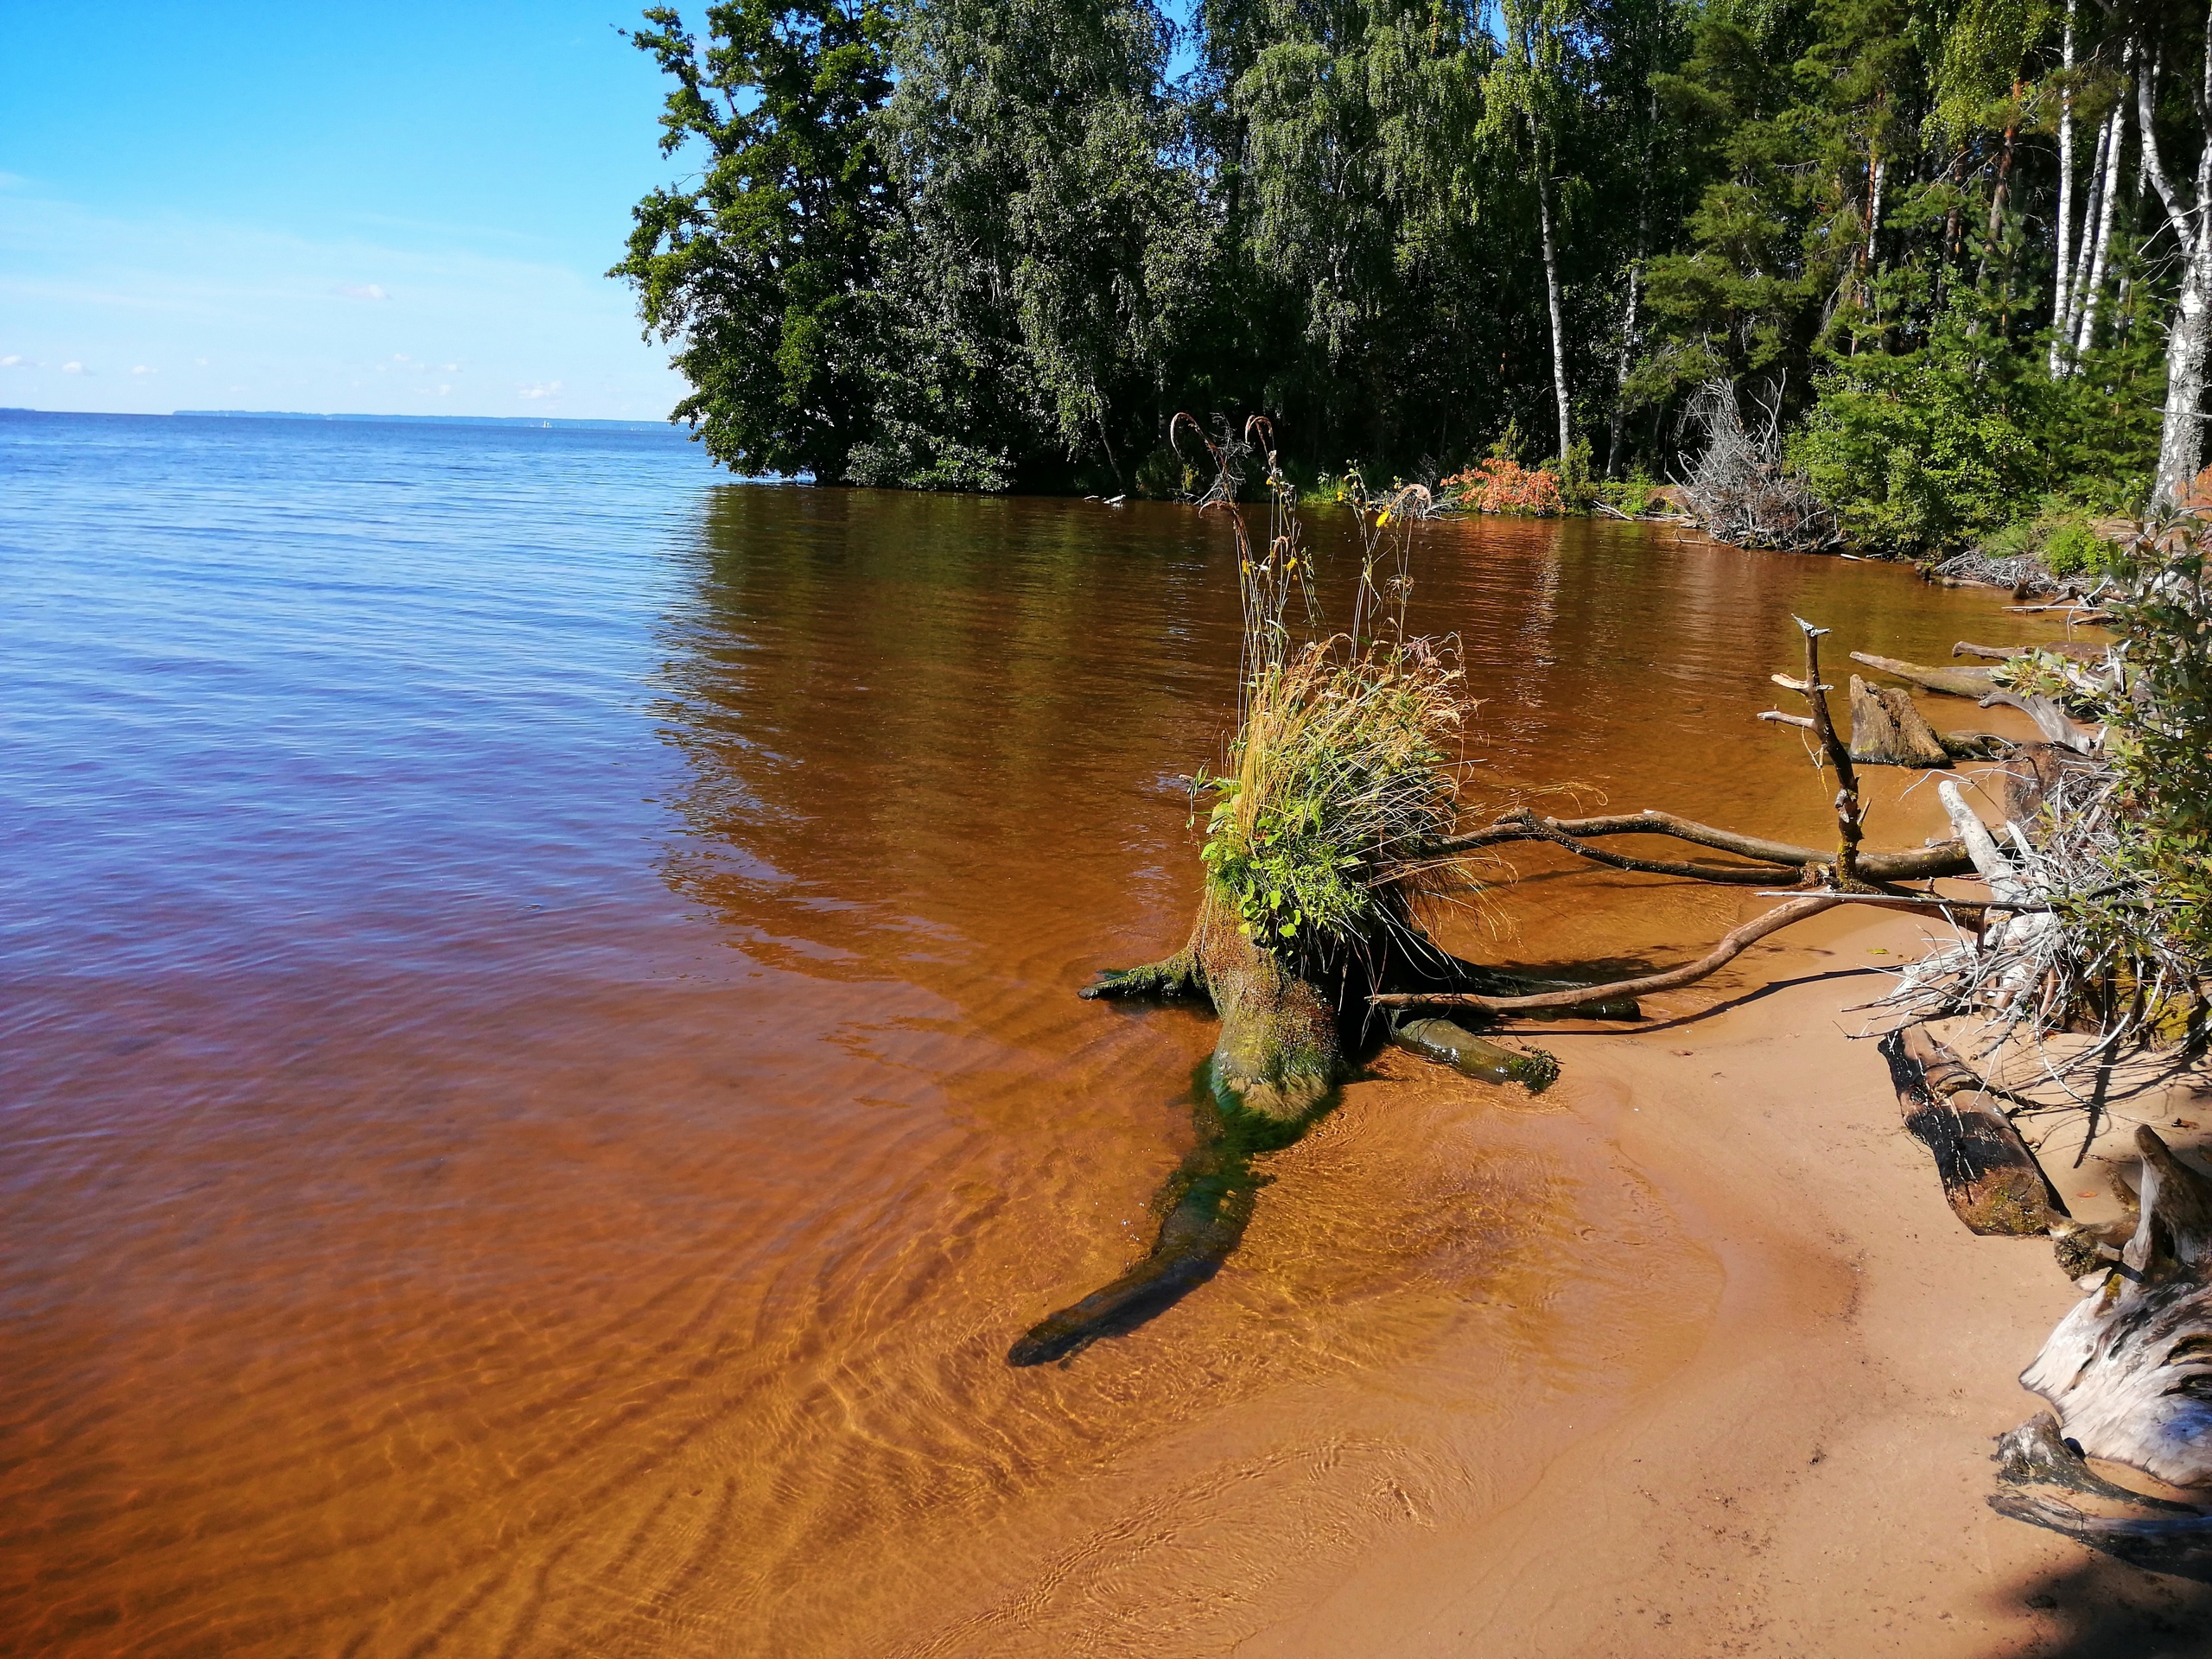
542 1071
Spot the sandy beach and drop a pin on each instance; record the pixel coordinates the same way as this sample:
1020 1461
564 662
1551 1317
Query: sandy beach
1807 1475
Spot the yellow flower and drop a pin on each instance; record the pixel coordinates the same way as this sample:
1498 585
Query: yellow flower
1384 520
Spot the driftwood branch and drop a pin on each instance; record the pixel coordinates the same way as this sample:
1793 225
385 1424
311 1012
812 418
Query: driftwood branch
1947 858
1849 818
2055 725
1672 979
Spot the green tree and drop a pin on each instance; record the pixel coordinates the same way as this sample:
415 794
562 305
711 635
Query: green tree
767 271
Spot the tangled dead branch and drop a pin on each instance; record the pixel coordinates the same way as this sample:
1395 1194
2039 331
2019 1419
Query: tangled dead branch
1738 489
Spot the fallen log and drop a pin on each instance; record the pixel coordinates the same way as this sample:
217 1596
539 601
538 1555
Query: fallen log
1990 1178
1953 682
1741 939
1957 746
2129 1368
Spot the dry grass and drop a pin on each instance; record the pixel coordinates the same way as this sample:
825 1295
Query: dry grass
1345 764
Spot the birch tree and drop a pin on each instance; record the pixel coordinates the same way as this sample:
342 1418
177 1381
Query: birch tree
2181 440
1525 95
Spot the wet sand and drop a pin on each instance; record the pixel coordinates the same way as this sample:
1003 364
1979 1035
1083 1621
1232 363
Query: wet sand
1807 1475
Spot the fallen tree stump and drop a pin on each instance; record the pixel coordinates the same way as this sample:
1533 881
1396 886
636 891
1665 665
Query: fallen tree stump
1990 1178
1888 730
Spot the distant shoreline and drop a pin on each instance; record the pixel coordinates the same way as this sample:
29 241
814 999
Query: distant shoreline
421 420
531 421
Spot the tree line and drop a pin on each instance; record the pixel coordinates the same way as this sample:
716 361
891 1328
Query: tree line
1958 252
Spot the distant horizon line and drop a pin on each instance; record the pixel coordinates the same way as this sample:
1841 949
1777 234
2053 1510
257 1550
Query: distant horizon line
409 420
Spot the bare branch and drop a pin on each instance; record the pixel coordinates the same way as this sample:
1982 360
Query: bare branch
1673 979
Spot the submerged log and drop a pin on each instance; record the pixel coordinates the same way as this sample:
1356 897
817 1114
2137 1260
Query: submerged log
1990 1178
1976 746
1888 730
1953 681
1459 1048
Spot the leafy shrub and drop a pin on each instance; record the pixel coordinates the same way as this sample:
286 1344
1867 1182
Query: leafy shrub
1163 475
2072 548
1497 485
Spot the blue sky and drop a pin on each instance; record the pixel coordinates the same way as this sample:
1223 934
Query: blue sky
400 208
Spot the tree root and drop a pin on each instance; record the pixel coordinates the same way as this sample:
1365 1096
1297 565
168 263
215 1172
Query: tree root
1173 977
1554 1001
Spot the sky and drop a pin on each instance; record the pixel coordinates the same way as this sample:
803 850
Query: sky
403 208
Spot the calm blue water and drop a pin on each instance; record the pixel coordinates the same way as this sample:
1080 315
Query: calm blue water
286 690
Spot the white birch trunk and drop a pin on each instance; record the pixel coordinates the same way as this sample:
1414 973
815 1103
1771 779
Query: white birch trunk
1552 292
2085 327
1874 211
2077 280
2181 442
2062 267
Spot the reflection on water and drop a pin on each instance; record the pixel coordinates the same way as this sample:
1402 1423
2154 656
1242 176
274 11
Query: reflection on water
544 1071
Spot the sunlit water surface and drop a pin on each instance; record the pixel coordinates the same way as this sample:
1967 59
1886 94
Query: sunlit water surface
542 1071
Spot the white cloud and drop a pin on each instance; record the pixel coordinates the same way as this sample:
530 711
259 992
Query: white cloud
13 360
450 368
201 362
74 368
444 391
543 389
364 290
399 357
140 368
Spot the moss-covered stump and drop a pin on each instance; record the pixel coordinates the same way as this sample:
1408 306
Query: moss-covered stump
1281 1051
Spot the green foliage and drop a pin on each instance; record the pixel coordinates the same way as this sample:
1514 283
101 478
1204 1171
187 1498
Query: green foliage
2160 738
991 243
1922 452
766 269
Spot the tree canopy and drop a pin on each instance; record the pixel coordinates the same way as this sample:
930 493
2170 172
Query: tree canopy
994 244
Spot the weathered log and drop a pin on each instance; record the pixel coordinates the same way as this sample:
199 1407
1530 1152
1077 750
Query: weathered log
1888 730
2053 721
1953 681
1976 746
2080 651
1719 957
1990 1178
1459 1048
2129 1369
